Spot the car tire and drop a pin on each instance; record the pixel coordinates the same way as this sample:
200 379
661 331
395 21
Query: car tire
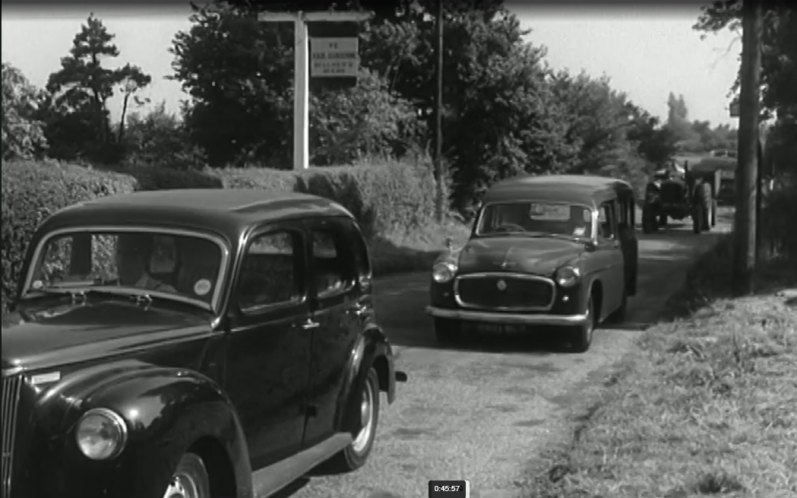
618 315
190 479
714 206
366 406
447 330
582 334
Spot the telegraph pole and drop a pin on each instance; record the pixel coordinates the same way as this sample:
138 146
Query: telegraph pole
744 248
438 115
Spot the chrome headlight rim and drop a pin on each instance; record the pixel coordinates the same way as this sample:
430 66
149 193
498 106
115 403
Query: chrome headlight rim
567 276
116 421
444 272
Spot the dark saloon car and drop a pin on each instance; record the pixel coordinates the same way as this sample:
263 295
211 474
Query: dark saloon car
191 343
556 250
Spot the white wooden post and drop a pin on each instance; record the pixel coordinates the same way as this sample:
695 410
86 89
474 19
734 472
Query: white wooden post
301 67
301 95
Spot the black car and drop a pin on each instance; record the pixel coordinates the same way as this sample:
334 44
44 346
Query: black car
191 343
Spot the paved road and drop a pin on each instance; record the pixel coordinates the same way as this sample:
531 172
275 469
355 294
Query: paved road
485 412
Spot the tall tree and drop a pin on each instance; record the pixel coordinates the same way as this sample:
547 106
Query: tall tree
82 87
22 133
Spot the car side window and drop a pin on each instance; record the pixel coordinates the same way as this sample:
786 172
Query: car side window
332 263
606 221
269 272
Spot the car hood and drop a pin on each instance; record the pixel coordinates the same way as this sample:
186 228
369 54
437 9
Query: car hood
540 256
59 333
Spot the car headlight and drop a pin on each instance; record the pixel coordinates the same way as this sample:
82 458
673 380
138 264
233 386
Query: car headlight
567 276
443 272
101 434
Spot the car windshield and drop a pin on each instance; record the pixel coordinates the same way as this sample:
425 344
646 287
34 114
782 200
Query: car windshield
546 218
175 266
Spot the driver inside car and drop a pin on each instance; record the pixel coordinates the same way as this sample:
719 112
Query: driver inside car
133 252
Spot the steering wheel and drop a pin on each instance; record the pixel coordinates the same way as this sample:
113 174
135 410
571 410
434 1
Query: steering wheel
509 227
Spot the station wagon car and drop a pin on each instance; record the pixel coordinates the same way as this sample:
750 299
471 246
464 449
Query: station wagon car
556 250
191 343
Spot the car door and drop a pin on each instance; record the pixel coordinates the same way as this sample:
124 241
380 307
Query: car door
334 292
628 242
268 359
610 254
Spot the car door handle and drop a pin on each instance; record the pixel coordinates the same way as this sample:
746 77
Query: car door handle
359 310
309 324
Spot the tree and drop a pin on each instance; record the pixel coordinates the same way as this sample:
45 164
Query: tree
82 87
23 134
678 121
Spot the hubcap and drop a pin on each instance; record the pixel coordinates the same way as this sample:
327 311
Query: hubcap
366 419
182 486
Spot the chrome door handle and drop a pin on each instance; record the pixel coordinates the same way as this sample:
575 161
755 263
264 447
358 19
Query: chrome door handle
310 324
359 310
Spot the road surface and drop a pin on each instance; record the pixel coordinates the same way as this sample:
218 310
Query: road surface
485 411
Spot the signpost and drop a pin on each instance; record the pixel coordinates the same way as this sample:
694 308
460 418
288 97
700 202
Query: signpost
336 62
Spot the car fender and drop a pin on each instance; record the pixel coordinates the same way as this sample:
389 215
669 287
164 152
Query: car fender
371 348
166 410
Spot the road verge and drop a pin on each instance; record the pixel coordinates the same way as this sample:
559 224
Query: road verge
703 405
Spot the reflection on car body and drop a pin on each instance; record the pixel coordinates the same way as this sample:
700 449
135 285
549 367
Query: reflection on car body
548 250
203 345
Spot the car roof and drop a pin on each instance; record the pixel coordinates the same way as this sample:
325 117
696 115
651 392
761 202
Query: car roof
577 189
227 212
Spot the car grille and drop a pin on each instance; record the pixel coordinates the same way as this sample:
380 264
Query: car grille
11 389
520 292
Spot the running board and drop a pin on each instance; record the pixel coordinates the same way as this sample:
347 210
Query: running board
269 480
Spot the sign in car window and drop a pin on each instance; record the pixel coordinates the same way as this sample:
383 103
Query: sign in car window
549 212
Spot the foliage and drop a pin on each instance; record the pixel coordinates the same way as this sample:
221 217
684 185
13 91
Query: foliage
362 121
159 138
77 114
31 191
23 134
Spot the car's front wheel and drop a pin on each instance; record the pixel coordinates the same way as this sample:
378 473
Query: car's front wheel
190 479
446 330
582 334
366 409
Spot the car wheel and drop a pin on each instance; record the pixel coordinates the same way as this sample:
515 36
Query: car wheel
367 409
582 334
446 330
618 315
190 479
714 206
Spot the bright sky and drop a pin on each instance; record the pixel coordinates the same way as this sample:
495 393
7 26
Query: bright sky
647 52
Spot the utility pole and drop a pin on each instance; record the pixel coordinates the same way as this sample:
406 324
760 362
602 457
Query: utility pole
440 200
744 248
301 71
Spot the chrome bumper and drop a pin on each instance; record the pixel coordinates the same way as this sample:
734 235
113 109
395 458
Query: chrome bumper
506 318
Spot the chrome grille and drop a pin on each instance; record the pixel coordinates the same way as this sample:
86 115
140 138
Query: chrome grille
504 292
11 389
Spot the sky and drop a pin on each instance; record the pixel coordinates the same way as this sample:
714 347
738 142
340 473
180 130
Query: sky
646 51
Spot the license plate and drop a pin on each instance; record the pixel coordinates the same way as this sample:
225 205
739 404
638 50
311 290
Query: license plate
498 328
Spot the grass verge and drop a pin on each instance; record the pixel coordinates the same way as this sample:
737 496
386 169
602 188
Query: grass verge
704 406
400 252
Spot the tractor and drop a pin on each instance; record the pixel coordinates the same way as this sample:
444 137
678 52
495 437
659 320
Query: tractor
677 193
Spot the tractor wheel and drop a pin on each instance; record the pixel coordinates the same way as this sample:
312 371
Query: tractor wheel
708 204
662 220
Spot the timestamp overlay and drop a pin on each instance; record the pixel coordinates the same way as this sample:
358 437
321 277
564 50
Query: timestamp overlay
449 489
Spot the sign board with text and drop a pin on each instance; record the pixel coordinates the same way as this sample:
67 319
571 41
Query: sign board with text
334 57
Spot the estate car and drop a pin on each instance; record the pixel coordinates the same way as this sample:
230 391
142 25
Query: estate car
555 250
191 343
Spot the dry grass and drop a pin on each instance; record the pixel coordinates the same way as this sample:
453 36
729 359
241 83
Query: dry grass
705 406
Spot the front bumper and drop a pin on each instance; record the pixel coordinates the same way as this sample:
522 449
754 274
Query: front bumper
507 318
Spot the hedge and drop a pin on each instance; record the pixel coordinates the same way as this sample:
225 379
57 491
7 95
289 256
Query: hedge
31 191
389 197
